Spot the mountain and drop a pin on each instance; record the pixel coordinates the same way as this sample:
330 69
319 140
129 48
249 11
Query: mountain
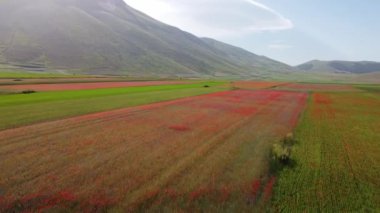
245 58
350 67
109 37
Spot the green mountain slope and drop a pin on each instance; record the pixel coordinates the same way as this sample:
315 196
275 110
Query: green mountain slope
344 67
109 37
245 58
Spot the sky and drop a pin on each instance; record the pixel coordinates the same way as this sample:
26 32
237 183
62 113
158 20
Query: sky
291 31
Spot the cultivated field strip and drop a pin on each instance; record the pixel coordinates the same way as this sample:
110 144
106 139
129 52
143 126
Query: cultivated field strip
317 87
87 86
338 165
20 110
86 120
177 153
257 84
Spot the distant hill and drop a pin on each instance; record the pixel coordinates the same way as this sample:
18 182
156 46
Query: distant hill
109 37
359 67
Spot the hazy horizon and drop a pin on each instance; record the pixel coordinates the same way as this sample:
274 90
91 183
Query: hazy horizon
290 31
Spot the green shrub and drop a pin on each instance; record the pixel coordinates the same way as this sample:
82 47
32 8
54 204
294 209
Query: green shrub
281 152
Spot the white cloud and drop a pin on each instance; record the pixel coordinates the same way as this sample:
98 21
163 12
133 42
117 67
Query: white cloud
214 18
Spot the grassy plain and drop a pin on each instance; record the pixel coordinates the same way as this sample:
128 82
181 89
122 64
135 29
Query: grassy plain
35 75
337 157
369 88
22 109
88 85
317 87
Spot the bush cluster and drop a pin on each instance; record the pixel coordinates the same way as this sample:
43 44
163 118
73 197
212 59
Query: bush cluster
281 152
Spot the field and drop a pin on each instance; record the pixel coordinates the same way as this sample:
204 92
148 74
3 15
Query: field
316 87
337 157
78 157
256 84
369 88
10 74
20 81
23 109
193 146
87 86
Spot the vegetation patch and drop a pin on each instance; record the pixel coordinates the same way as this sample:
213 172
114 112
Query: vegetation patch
317 87
256 84
337 158
90 86
28 75
281 154
370 88
74 103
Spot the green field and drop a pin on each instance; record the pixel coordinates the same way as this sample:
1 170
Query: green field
337 161
22 109
369 88
35 75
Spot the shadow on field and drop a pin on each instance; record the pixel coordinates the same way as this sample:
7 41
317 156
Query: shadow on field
277 167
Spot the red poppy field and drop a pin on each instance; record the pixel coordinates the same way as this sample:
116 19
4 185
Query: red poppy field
86 86
207 152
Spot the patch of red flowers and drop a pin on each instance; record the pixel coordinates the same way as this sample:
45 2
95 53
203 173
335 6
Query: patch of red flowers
255 188
225 193
199 193
171 193
100 201
269 188
245 111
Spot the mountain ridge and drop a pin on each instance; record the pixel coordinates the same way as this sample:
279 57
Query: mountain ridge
110 37
340 66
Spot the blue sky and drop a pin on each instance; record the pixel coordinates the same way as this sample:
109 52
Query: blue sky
292 31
